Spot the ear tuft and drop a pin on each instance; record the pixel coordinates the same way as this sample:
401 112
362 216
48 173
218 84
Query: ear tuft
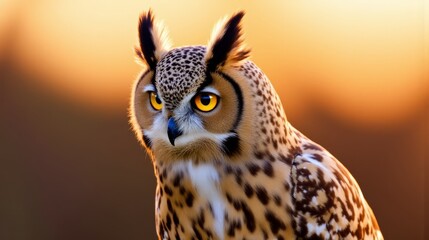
226 44
153 38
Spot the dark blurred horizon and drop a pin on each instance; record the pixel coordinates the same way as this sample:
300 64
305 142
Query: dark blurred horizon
352 76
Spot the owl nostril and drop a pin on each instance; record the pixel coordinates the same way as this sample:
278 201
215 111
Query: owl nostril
173 131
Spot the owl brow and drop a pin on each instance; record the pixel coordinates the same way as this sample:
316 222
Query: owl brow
210 90
149 88
207 81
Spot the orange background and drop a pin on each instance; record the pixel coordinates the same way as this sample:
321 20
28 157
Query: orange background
353 76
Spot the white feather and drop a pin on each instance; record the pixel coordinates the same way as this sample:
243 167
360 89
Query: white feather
318 229
205 178
161 40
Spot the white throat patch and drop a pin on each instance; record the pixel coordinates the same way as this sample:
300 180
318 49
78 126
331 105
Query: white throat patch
205 178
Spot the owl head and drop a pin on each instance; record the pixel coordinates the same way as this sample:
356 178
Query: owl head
193 103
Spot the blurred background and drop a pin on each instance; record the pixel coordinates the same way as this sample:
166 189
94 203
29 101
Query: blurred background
353 76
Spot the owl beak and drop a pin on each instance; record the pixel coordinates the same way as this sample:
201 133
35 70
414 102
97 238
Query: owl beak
173 131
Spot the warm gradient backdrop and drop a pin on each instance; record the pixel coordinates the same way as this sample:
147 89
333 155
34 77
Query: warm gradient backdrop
353 76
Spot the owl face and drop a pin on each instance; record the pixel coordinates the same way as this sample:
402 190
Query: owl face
189 104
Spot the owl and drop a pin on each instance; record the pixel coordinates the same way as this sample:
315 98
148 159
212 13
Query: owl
228 164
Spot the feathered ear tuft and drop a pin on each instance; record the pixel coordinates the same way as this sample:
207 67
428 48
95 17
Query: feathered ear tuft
154 41
226 44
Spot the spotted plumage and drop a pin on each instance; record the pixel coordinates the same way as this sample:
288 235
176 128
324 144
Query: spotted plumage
227 162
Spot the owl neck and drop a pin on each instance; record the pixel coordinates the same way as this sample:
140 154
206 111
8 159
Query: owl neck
273 134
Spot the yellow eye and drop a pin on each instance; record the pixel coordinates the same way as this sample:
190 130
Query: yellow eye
155 101
206 101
